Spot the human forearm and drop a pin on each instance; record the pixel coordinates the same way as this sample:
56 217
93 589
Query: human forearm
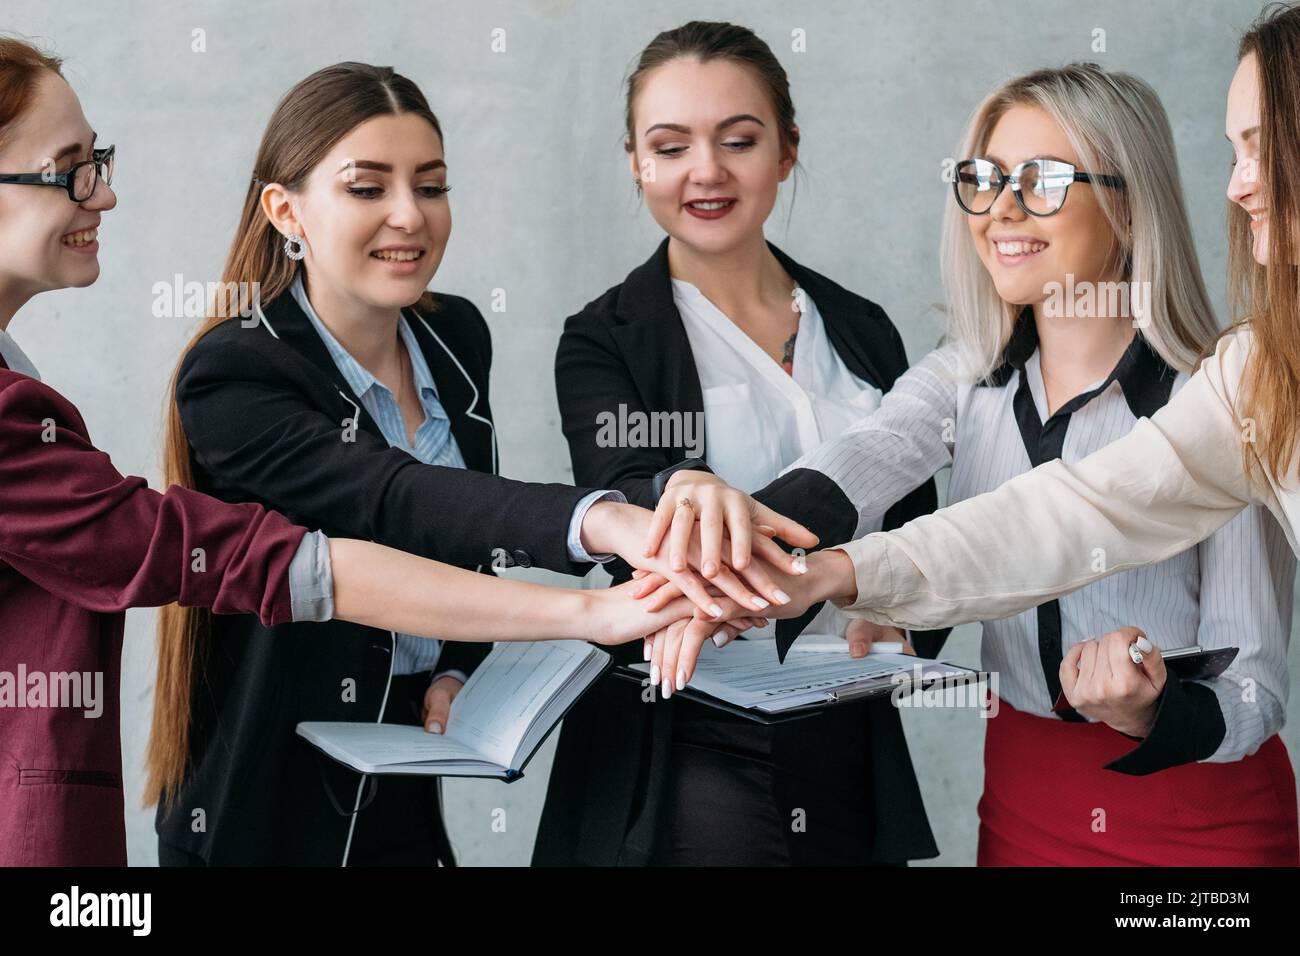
389 589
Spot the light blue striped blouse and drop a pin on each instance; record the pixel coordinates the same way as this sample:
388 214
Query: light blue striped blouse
434 445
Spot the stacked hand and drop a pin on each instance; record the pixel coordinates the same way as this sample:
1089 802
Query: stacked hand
721 550
707 564
674 649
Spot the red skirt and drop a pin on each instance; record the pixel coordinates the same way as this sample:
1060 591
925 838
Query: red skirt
1048 801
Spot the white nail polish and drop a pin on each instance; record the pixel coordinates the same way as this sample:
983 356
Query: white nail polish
681 679
667 688
435 728
714 610
1145 646
654 673
645 650
800 565
719 639
782 597
759 602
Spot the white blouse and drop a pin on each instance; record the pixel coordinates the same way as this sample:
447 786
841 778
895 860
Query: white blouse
758 418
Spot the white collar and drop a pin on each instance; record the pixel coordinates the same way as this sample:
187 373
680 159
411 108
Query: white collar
15 358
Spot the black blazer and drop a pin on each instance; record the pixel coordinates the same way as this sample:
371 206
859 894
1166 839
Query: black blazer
265 410
629 347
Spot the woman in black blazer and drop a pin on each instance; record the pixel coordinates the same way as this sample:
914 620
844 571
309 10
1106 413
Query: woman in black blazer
274 408
673 781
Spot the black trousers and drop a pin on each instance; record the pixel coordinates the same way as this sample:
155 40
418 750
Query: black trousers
741 793
402 824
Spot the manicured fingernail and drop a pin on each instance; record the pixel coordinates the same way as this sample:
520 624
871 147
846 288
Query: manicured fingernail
800 565
857 649
782 597
714 610
719 639
667 688
646 649
681 679
679 564
1145 646
435 728
710 569
654 673
759 602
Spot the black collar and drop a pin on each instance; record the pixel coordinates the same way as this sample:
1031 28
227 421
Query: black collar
1145 378
458 394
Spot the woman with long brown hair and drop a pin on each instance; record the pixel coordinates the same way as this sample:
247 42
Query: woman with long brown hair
80 543
356 401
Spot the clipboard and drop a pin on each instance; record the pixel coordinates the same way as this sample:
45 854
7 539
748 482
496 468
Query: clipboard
864 692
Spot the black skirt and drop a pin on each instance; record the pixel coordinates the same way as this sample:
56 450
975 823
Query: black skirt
741 793
636 783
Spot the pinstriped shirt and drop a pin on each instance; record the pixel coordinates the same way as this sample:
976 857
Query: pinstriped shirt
1233 589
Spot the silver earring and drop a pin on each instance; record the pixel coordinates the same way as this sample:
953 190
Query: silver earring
294 247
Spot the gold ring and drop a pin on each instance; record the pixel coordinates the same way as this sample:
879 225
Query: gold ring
686 503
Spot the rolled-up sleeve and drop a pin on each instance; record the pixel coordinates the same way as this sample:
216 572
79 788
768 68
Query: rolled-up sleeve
311 579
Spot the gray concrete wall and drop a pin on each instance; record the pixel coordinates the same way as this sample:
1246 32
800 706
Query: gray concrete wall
544 210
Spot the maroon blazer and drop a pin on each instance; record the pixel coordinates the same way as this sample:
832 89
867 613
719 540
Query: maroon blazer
79 544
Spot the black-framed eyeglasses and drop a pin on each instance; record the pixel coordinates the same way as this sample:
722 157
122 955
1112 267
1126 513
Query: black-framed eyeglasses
80 179
1039 185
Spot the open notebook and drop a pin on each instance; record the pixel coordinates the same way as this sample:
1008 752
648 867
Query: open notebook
499 719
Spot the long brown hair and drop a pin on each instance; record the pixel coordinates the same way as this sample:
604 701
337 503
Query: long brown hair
1269 297
310 119
21 66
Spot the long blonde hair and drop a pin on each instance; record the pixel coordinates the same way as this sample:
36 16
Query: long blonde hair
1117 125
310 119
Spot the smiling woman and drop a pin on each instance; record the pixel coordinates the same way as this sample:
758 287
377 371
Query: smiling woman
357 402
721 325
49 242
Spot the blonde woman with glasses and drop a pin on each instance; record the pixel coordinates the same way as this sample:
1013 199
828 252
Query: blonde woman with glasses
1076 310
